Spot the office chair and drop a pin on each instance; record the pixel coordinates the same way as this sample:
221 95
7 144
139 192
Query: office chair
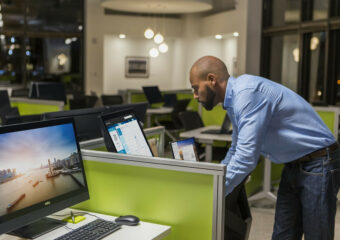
90 101
108 100
4 100
175 124
191 120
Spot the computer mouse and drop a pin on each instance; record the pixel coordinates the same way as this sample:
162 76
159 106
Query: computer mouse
129 220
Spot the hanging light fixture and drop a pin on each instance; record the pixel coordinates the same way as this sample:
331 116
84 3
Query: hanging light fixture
153 52
158 38
163 48
148 33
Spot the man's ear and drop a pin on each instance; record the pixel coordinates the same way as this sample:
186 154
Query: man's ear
211 78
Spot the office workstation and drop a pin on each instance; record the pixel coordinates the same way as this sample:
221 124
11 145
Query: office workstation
145 143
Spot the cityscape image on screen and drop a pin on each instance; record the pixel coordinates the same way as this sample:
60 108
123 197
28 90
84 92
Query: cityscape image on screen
37 165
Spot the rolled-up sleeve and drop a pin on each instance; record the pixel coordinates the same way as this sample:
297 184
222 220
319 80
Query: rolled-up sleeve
252 114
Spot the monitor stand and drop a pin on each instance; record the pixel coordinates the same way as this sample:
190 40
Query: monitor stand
38 228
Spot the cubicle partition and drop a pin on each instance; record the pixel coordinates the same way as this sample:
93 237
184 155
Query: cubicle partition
188 196
330 116
27 106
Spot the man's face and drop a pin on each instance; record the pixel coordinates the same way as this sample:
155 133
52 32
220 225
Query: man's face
203 91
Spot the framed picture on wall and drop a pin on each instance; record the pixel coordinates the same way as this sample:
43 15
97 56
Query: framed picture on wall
137 67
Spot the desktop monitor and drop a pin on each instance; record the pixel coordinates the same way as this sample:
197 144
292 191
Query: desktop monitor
153 95
41 172
138 108
86 121
184 149
123 134
48 90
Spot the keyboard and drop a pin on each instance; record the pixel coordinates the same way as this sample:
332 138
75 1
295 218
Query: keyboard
94 230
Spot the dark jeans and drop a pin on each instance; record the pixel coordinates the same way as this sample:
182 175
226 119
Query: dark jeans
306 201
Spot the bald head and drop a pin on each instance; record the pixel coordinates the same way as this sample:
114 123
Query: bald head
209 64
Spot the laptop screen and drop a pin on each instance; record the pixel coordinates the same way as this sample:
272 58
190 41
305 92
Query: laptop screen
184 149
125 134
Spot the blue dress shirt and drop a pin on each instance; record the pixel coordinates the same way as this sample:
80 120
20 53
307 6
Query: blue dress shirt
271 120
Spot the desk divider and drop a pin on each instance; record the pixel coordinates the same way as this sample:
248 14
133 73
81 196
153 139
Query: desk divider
188 196
27 106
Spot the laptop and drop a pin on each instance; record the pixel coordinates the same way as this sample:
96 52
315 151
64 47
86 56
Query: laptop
224 128
184 150
123 133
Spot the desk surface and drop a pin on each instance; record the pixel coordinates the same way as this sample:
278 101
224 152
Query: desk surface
143 231
203 137
160 110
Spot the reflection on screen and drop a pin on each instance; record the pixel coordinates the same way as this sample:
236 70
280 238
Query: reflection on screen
184 149
127 136
37 165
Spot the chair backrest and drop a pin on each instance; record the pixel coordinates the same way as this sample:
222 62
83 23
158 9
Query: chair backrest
180 106
91 101
4 100
108 100
170 99
190 120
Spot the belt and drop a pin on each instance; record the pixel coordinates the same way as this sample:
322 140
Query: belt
319 153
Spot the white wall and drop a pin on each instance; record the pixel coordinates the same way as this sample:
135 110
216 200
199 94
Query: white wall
189 38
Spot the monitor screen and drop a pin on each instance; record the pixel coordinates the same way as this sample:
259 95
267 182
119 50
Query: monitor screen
124 134
184 149
41 171
86 121
153 94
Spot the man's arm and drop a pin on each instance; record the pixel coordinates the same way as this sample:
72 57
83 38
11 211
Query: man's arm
232 149
253 112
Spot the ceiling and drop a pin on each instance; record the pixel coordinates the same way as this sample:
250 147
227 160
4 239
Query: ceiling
169 7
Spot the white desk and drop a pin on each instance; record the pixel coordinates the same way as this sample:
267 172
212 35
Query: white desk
143 231
208 140
156 111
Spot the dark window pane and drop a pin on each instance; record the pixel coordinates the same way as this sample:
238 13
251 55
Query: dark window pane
10 59
284 59
55 16
55 59
285 12
320 9
12 13
336 64
317 67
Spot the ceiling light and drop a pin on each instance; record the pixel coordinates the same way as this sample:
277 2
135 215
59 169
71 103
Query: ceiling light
158 38
296 54
314 43
236 34
74 39
163 48
218 36
68 41
153 52
2 37
122 36
12 39
80 27
28 53
148 33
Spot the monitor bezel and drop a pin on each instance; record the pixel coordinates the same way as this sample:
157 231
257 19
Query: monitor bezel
22 217
107 138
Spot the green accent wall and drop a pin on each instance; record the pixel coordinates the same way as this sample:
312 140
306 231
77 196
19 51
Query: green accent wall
328 118
33 108
181 200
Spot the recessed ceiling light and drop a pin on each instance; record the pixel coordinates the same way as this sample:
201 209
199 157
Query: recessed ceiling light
153 52
158 38
122 36
218 36
148 34
236 34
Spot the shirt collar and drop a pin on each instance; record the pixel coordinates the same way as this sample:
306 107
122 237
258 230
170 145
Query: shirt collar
228 93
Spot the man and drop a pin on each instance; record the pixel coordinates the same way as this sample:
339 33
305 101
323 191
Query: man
271 120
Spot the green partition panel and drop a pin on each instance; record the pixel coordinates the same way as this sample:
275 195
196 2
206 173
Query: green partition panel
33 108
328 118
213 117
182 200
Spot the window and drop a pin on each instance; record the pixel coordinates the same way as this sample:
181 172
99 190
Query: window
42 40
284 60
285 12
